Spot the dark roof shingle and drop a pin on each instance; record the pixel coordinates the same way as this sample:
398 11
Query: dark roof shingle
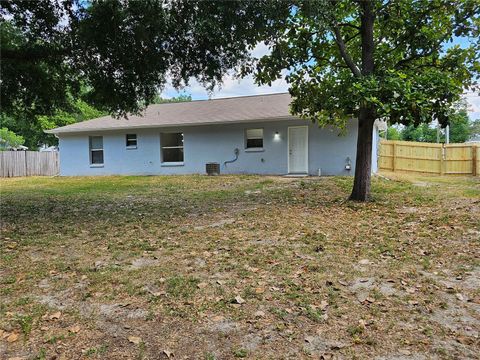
202 112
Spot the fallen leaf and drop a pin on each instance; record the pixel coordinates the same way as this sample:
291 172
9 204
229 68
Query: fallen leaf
464 340
218 318
12 337
239 299
55 315
135 340
168 353
259 290
309 339
74 329
202 285
259 313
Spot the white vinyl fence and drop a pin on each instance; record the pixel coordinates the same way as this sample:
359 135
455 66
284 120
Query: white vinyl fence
28 163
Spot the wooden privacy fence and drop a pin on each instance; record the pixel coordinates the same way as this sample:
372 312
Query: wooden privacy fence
441 159
28 163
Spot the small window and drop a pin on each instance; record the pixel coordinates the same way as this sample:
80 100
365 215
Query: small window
131 140
96 150
254 139
172 147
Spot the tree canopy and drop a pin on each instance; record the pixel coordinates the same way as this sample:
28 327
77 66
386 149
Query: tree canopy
8 139
460 129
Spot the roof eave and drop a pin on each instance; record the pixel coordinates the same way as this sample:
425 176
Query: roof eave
59 131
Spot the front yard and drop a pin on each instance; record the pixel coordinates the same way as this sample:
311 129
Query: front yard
238 267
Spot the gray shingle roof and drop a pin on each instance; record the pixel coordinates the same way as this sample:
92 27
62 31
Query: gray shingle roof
203 112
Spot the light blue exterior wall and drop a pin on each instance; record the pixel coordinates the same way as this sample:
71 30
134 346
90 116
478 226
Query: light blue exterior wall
211 143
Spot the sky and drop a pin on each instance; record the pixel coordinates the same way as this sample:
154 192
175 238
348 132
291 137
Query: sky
246 86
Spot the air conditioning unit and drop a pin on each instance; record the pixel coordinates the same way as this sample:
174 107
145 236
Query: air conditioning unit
212 168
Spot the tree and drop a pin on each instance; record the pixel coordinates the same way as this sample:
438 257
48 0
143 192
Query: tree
180 98
122 51
459 128
374 59
366 59
393 134
8 139
32 126
475 129
422 133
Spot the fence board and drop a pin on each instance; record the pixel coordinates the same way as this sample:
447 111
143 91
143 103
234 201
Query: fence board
28 163
430 158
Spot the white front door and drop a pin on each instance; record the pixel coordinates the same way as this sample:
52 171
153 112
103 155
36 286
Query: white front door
298 149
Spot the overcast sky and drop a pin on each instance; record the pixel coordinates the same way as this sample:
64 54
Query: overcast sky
242 87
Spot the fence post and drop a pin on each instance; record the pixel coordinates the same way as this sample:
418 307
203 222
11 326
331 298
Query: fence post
394 156
474 160
442 159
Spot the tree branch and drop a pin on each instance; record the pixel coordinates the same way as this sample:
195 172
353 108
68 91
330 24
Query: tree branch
349 25
343 52
434 48
31 55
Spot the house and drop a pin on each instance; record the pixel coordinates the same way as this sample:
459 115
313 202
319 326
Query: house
250 134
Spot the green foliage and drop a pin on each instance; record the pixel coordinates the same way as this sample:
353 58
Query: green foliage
26 323
475 128
181 98
32 126
8 139
393 134
460 130
422 133
459 124
415 76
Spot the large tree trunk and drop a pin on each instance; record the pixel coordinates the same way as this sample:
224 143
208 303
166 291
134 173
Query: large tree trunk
367 114
363 163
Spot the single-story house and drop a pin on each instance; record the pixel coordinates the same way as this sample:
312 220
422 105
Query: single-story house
244 135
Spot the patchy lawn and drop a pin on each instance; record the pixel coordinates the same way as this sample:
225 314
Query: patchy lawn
239 267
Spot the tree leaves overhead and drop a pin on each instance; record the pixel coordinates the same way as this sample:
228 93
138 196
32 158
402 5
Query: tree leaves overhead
417 74
124 51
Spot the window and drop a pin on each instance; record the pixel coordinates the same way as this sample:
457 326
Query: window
254 139
96 150
172 147
131 141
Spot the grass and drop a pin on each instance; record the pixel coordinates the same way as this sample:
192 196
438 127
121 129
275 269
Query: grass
238 267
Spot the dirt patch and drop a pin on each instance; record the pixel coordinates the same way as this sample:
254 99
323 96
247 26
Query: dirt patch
231 267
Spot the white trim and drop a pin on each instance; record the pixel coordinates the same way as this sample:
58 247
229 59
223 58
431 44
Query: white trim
288 147
166 164
96 165
254 150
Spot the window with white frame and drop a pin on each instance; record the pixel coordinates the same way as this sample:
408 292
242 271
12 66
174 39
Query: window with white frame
172 147
254 139
131 141
96 150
